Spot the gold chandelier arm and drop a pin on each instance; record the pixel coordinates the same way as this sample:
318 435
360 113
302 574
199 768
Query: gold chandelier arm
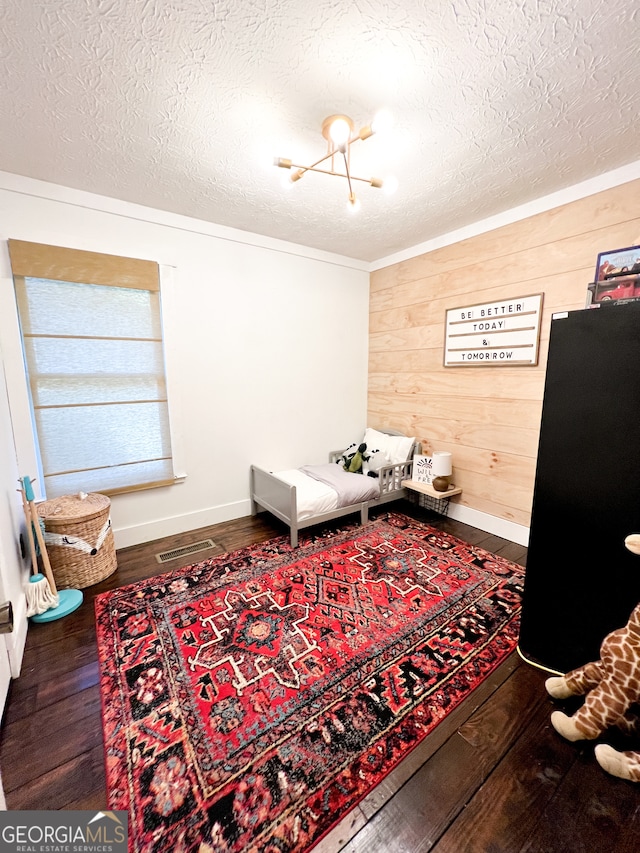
312 167
333 130
346 166
287 164
375 182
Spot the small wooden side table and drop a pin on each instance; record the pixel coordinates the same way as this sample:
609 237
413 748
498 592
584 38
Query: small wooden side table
427 489
436 501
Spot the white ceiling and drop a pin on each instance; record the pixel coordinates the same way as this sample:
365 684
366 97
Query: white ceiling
181 105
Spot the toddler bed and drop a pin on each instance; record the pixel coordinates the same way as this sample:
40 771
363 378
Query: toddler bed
301 497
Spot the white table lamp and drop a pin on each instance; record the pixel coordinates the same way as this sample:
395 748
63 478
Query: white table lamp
441 470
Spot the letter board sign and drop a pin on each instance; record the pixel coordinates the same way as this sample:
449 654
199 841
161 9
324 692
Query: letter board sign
505 332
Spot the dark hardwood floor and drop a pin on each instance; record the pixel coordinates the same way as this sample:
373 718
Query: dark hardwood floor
492 778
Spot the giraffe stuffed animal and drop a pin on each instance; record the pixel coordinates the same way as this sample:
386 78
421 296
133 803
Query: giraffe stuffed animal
612 687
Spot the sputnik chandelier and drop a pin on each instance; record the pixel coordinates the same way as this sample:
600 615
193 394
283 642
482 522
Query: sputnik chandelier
338 130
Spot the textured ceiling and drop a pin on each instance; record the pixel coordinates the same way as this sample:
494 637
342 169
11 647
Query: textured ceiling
182 105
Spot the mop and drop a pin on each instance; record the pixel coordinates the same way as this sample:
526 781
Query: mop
44 602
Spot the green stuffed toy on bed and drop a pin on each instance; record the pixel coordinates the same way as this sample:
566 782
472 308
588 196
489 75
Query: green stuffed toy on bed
358 460
353 458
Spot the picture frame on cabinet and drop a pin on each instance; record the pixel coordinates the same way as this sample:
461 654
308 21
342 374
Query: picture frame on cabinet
616 263
613 291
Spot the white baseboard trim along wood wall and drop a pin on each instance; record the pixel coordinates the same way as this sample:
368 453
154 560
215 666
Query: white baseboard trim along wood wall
490 523
133 535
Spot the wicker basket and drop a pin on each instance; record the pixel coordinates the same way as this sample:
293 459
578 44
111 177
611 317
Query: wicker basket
79 539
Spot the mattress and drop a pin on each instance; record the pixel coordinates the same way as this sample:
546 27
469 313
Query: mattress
323 488
312 497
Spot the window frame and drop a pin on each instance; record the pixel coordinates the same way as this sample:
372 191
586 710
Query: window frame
57 263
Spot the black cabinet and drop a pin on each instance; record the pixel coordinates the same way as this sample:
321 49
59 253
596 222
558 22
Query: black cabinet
581 582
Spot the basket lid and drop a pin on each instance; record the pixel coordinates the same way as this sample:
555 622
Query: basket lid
71 507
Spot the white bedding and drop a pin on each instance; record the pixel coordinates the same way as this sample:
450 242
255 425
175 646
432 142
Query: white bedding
319 495
312 497
351 488
323 488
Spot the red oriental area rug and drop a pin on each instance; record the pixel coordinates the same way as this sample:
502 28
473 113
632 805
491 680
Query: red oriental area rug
251 700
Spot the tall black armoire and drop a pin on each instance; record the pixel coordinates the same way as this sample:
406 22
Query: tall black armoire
581 582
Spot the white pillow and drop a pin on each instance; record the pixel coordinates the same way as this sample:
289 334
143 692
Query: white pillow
395 447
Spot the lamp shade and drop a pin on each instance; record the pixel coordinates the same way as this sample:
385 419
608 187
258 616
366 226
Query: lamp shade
441 464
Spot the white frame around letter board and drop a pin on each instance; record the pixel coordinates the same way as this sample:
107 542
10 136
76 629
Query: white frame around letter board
494 334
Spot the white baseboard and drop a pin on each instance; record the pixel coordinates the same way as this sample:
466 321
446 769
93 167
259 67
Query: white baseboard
139 533
491 523
17 639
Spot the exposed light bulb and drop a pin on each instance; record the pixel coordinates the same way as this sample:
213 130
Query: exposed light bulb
339 132
390 184
382 122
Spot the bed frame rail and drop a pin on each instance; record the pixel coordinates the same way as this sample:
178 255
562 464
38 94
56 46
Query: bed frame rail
270 493
279 498
391 477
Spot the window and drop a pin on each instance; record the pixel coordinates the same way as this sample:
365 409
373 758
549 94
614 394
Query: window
92 341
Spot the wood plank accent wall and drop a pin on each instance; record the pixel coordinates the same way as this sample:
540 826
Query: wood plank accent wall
488 417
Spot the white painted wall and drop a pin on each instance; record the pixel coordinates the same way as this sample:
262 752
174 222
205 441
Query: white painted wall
266 346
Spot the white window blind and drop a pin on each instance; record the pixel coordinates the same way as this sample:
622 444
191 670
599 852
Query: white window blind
92 338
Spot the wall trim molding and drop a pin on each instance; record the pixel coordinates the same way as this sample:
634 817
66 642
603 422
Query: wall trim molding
103 204
137 534
130 210
490 523
16 640
606 181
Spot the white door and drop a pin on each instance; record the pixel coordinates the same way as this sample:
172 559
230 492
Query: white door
13 568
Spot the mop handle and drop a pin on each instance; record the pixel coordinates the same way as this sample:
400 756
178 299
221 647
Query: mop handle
43 550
